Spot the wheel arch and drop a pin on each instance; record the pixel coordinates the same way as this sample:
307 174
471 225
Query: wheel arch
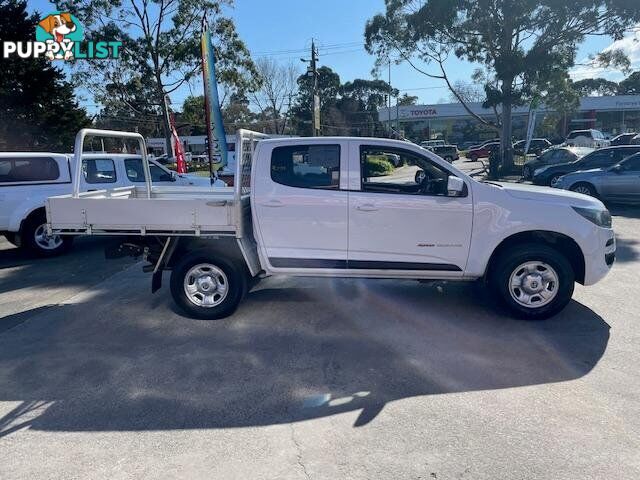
587 183
25 216
559 241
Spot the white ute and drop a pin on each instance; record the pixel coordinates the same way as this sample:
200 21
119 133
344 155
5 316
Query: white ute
28 179
339 207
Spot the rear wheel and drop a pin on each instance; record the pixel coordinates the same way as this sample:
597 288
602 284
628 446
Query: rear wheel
526 172
35 239
533 281
585 189
207 288
473 157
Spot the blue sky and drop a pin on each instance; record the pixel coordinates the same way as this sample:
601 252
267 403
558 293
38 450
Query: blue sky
271 27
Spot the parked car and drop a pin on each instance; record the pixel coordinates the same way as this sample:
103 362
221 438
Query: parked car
28 179
483 151
536 146
553 156
355 220
619 183
448 152
587 138
431 143
601 158
622 139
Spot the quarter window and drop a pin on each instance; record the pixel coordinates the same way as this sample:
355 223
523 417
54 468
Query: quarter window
36 169
307 166
99 170
400 171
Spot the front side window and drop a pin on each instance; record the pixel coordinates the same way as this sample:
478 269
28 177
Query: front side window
631 164
99 170
599 159
623 153
307 166
135 172
36 169
410 174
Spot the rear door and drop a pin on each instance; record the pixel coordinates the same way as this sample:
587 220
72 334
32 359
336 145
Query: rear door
98 173
299 204
401 219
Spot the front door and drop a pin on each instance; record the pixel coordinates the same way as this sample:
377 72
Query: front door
299 204
624 183
400 216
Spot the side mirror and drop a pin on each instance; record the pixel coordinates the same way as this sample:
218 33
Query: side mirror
455 186
616 168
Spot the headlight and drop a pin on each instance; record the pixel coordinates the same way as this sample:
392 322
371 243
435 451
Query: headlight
601 217
538 171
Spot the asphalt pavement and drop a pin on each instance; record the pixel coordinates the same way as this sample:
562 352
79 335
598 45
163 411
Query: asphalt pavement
313 378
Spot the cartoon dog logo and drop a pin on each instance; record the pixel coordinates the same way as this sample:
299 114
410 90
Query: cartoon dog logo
59 26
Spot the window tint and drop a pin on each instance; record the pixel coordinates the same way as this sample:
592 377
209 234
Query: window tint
135 172
307 166
99 170
631 164
622 153
400 171
36 169
598 159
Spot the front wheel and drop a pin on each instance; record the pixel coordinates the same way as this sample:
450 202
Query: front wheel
206 287
585 189
533 281
526 173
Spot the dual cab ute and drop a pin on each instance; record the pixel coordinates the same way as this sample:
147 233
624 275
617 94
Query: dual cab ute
27 179
338 207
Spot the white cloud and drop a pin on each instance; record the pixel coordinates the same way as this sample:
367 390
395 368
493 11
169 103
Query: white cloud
629 44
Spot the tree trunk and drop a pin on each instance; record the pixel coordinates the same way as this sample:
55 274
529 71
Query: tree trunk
166 125
506 145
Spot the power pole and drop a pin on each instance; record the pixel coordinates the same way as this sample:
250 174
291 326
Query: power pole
312 71
316 98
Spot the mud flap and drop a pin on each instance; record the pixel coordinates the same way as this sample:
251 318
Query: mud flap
163 260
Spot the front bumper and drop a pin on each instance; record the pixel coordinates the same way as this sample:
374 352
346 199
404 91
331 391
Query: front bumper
601 257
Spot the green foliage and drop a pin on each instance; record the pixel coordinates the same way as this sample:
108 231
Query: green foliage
406 100
160 53
595 86
345 109
38 109
526 47
630 85
378 166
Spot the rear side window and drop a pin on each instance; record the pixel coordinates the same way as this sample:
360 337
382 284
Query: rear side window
631 164
28 169
99 170
307 166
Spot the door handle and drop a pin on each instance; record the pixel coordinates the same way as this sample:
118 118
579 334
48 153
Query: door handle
367 207
273 204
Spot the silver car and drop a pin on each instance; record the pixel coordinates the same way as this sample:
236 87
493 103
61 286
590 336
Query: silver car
619 183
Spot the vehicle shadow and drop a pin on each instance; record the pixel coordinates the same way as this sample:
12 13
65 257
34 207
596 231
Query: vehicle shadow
628 211
83 265
627 250
295 350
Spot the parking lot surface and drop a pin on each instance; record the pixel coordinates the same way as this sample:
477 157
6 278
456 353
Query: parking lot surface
313 378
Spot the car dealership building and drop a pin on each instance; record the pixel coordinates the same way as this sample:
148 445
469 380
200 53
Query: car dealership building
451 122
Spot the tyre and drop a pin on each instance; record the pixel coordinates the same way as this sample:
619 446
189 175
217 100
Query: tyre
533 281
449 159
34 237
473 157
585 189
554 178
526 173
208 288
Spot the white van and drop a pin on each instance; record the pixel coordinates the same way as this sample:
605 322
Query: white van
28 179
